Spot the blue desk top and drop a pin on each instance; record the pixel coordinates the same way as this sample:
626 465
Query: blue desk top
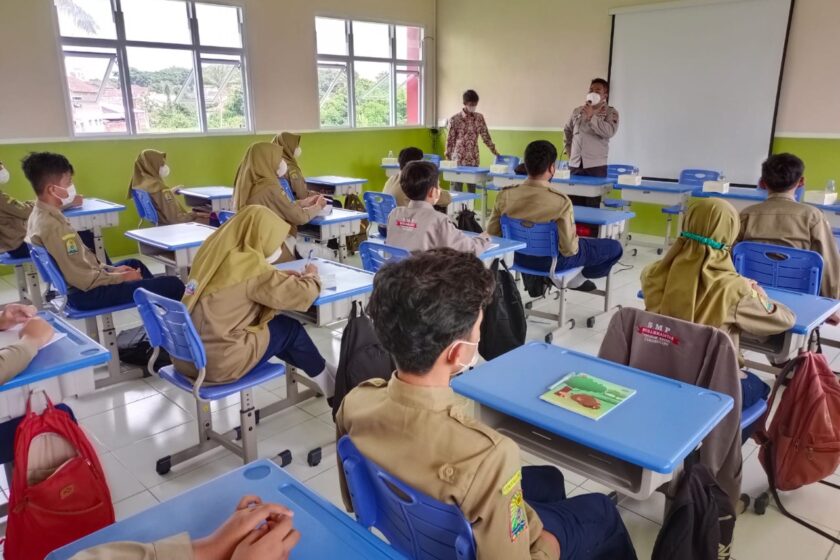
74 352
600 216
584 180
173 237
94 206
210 193
338 216
335 181
656 428
466 169
827 207
658 186
735 193
811 311
350 281
390 166
462 197
325 531
505 246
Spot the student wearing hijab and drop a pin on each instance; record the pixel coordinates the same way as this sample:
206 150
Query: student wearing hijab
236 299
13 217
291 151
696 281
150 170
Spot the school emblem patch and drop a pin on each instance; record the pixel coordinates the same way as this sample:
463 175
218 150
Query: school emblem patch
71 246
190 288
518 518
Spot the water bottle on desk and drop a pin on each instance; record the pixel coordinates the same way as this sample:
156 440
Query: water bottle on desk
831 187
390 154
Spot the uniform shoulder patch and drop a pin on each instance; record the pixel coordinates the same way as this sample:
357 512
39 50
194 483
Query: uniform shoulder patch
763 299
71 245
512 483
518 517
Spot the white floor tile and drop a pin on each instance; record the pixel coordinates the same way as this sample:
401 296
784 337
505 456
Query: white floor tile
643 532
193 478
653 508
125 425
772 535
135 504
121 482
109 398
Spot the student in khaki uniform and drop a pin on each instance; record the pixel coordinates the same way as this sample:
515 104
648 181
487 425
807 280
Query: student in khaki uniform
293 176
393 187
92 285
255 531
781 220
35 333
13 217
536 200
696 281
236 299
150 170
416 428
418 226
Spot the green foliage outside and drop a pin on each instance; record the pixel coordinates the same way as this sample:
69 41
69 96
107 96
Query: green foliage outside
372 100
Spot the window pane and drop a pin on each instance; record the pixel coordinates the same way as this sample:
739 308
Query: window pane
408 98
331 36
224 96
409 42
333 100
162 21
218 25
371 39
163 89
93 84
86 18
373 93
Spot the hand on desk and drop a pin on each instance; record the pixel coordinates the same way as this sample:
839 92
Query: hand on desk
14 314
274 540
314 200
38 331
310 270
834 319
78 201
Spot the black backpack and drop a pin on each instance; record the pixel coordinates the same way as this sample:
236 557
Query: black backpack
504 326
700 521
134 348
466 221
362 356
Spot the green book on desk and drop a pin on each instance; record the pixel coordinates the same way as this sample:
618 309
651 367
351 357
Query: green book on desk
586 395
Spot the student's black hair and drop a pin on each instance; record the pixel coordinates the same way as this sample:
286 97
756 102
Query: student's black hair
782 172
44 168
409 154
601 81
417 178
539 156
424 303
470 96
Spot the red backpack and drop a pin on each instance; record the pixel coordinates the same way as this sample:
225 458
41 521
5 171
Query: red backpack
58 489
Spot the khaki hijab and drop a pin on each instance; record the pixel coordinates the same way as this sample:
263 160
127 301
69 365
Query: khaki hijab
235 253
694 281
289 142
257 170
147 172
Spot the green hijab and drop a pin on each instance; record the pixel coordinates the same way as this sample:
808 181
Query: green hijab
147 172
257 170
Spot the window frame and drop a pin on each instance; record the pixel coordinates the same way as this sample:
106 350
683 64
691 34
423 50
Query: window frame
200 53
350 59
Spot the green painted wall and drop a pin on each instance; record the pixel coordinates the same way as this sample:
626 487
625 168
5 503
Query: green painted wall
104 167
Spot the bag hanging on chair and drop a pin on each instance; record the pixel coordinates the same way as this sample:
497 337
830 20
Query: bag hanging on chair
504 326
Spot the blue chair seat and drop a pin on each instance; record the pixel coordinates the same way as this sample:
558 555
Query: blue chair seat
8 260
73 313
753 413
673 210
256 376
615 203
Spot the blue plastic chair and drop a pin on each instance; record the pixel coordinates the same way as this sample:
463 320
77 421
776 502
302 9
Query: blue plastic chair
169 326
434 158
379 206
225 215
287 188
542 241
416 525
510 161
616 169
775 266
145 207
26 277
697 177
376 255
52 274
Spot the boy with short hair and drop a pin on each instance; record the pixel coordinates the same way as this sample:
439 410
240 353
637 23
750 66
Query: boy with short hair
13 216
537 201
418 226
393 187
427 312
781 220
92 285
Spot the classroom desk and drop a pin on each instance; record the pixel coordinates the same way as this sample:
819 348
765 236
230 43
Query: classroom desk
468 175
504 249
219 198
611 223
832 213
739 197
175 245
335 186
334 304
326 532
633 449
338 225
391 169
461 200
95 214
580 185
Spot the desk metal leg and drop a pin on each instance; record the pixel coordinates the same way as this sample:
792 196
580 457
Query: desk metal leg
109 340
98 244
608 306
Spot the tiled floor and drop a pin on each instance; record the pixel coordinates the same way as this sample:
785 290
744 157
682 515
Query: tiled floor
135 423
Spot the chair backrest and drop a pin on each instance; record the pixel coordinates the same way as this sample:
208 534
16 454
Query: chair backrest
225 215
510 161
541 239
698 176
145 207
616 169
379 206
47 268
376 255
775 266
434 158
169 326
287 188
415 524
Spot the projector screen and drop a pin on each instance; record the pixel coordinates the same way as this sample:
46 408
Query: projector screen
696 85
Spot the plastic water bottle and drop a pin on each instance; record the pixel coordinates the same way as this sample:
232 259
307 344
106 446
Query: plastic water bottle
830 187
390 154
635 172
564 165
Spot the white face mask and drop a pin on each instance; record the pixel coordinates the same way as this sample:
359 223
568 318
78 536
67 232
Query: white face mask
272 258
164 171
4 175
473 361
298 152
69 197
282 168
470 108
593 98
